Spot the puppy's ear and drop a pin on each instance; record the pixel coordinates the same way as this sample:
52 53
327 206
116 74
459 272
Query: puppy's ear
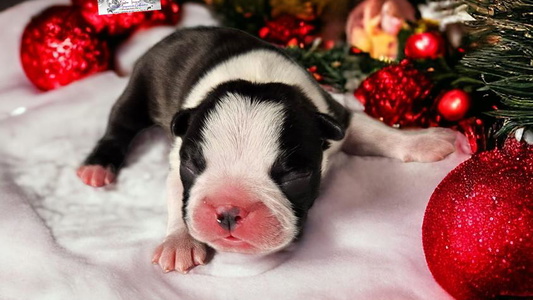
329 128
181 121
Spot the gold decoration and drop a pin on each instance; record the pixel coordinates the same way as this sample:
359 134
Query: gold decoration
425 25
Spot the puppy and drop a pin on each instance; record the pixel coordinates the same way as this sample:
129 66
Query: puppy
252 132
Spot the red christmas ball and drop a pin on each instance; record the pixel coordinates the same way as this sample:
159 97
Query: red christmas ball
396 95
424 45
453 104
286 29
59 47
478 226
111 24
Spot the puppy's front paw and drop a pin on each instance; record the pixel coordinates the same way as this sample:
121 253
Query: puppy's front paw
427 145
179 252
96 175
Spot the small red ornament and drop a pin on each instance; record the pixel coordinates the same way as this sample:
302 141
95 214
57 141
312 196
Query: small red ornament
112 24
478 226
396 95
427 45
285 29
59 47
453 104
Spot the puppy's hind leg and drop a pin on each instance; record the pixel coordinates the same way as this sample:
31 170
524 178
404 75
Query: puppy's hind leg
367 136
128 117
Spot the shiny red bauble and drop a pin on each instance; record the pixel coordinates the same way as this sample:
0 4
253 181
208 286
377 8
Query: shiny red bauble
397 95
478 226
427 45
453 104
59 47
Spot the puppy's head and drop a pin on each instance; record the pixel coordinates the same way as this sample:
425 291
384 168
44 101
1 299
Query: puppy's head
250 164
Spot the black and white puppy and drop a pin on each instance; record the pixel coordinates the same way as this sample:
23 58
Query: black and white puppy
252 132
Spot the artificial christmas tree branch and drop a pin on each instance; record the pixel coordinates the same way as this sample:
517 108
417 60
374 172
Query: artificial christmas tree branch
504 59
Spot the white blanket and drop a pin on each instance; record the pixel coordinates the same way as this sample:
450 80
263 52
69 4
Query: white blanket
60 239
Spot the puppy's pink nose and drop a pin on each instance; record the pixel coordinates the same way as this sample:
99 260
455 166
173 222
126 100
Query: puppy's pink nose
229 216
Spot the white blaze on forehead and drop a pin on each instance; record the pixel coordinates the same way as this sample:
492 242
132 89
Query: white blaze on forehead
241 136
258 66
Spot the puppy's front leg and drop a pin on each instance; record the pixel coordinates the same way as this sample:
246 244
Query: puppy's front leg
179 251
367 136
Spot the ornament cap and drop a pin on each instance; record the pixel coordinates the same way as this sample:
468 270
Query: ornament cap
522 134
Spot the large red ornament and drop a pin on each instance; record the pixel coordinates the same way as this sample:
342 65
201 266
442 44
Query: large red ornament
427 45
453 104
397 95
59 47
478 226
287 30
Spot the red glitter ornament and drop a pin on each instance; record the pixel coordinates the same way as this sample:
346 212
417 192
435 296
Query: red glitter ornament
285 29
478 226
59 47
396 95
111 24
427 45
453 104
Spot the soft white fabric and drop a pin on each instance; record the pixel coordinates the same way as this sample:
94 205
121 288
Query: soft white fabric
60 239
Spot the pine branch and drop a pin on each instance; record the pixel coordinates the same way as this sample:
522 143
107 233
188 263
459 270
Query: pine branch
503 61
332 65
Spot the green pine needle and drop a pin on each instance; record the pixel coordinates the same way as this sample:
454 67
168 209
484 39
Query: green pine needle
504 59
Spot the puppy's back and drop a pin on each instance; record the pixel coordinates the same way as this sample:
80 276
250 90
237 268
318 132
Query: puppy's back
183 68
171 68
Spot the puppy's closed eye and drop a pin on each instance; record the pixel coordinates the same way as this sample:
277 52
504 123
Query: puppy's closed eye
188 171
295 183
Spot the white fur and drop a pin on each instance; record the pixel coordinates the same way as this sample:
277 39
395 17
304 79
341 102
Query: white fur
179 251
368 136
258 66
174 196
262 66
241 143
238 132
